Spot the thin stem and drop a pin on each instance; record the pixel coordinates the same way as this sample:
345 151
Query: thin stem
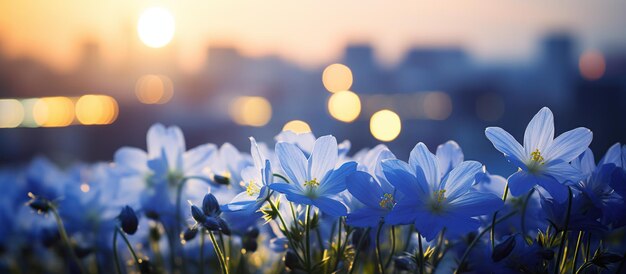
115 255
225 250
588 247
130 248
436 255
524 206
319 239
282 177
584 266
220 255
66 239
378 254
338 245
564 232
421 251
495 215
201 251
358 249
307 226
473 243
285 229
580 237
393 245
408 237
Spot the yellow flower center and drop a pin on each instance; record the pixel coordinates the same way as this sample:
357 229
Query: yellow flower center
387 201
440 195
437 205
252 189
536 156
312 183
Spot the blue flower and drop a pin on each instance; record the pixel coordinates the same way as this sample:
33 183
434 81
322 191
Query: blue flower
434 201
370 187
543 160
209 216
256 180
314 181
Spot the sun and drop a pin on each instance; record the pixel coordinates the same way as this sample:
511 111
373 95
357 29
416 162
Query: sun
156 27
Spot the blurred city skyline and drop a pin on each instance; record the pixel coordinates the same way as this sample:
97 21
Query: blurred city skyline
309 34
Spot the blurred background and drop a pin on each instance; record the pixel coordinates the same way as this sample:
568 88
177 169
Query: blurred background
79 79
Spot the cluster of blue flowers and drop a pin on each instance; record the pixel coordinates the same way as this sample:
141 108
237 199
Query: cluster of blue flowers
307 206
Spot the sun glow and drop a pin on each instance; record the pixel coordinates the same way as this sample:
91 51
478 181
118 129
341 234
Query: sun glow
156 27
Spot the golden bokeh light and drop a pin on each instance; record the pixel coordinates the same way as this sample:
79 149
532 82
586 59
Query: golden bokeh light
11 113
344 106
96 110
385 125
437 105
154 89
156 27
592 65
53 111
337 77
297 126
251 111
84 187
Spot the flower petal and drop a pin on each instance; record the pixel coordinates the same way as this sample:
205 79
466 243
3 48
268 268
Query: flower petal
563 172
398 173
241 202
257 156
198 158
335 181
293 162
505 143
330 206
402 213
449 156
461 178
131 161
476 203
521 182
613 156
569 145
585 163
365 217
539 132
292 193
557 190
323 158
363 187
421 157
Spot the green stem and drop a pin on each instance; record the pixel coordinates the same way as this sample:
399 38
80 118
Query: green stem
285 229
524 206
421 251
473 243
225 250
393 246
338 245
408 237
358 249
130 248
436 255
378 254
588 247
564 232
320 240
584 266
282 177
66 239
495 215
115 255
201 251
307 225
580 237
218 251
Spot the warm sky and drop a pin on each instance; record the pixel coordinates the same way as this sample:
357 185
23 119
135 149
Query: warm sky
309 32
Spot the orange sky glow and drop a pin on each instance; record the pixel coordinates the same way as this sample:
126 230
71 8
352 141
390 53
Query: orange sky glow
311 33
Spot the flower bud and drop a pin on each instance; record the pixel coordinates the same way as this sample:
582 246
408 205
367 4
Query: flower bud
224 227
250 244
197 214
210 206
128 220
603 259
291 260
39 204
221 180
211 224
190 233
253 232
503 249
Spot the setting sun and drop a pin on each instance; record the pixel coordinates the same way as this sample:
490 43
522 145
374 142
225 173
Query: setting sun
156 27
